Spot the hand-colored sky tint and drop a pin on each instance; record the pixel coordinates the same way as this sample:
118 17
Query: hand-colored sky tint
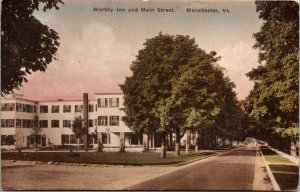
97 48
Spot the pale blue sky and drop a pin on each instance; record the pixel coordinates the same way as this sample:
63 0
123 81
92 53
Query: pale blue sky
97 48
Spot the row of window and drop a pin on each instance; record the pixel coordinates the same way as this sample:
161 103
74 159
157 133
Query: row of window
7 140
72 139
134 139
10 123
28 123
108 102
66 108
7 123
7 106
66 123
19 107
102 103
113 120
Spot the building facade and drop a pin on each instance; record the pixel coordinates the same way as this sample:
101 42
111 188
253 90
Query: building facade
56 117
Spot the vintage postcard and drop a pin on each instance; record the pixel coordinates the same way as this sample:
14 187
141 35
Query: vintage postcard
149 95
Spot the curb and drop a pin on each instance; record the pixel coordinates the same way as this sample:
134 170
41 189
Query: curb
270 174
193 160
200 158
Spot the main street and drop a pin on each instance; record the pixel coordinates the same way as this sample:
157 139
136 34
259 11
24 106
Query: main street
240 169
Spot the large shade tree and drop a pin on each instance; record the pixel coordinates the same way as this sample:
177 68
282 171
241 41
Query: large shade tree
274 99
27 45
193 103
150 82
173 88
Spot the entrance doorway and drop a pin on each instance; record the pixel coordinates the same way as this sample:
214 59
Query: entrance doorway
39 140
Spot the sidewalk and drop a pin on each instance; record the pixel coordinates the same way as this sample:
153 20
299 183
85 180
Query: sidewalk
282 172
261 181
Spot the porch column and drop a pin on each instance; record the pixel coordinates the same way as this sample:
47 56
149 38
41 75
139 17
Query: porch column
122 141
146 141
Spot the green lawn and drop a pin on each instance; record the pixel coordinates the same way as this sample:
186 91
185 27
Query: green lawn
285 172
277 159
287 176
110 158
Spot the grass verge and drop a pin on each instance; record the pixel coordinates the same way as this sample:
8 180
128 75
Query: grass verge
110 158
285 172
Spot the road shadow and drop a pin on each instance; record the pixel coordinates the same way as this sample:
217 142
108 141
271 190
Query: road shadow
266 151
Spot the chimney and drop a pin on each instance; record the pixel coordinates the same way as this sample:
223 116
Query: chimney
85 120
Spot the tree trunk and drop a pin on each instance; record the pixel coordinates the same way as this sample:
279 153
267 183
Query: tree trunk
167 142
197 141
148 142
99 147
203 139
293 147
78 143
163 146
177 142
188 141
171 141
34 142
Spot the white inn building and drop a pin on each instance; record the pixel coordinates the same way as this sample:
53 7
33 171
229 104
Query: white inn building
56 117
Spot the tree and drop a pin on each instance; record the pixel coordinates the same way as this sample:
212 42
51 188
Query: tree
230 118
26 44
273 102
77 128
173 88
36 130
155 65
275 95
193 101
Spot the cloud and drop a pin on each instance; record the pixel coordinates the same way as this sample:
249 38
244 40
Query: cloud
238 59
93 62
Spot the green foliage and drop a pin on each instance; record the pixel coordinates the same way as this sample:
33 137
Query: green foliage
77 127
229 122
193 100
155 70
177 85
287 132
26 44
274 99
